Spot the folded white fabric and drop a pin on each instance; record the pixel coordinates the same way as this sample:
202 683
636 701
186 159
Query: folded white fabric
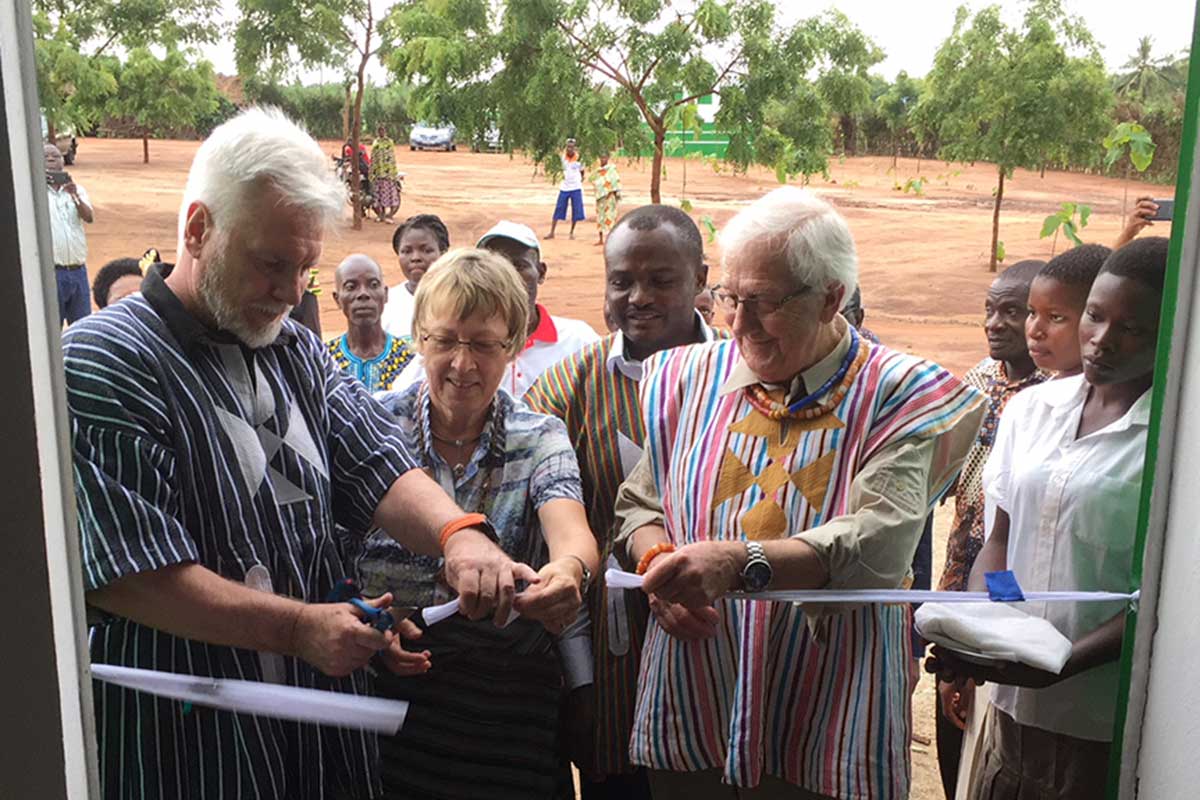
995 630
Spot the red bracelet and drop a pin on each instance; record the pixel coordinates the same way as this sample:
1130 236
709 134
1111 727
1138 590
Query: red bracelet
653 553
455 525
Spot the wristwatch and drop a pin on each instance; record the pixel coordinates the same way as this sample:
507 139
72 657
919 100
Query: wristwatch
587 574
756 575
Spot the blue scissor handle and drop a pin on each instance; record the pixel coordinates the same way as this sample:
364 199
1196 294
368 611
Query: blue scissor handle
378 618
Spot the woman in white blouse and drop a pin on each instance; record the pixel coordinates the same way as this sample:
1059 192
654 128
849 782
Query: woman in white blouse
1065 477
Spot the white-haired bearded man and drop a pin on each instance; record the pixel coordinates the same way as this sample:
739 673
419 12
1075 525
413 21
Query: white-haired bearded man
796 456
213 435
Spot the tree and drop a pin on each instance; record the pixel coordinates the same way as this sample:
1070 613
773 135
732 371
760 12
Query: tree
896 106
542 69
1018 97
73 40
847 56
275 35
1147 77
161 95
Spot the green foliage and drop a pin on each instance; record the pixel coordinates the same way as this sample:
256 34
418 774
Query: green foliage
608 73
1132 139
897 106
163 95
1017 97
273 36
915 185
319 106
72 39
847 55
710 228
1064 219
1150 79
1001 252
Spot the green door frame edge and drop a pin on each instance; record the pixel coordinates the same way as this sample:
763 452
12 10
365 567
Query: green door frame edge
1162 359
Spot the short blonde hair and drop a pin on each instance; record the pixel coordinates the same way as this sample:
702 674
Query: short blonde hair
468 281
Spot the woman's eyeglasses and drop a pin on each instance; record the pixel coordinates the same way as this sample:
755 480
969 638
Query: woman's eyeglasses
444 345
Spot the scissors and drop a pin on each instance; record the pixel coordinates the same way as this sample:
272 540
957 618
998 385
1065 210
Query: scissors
381 619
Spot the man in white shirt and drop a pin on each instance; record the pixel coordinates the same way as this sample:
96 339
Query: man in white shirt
69 209
570 190
551 338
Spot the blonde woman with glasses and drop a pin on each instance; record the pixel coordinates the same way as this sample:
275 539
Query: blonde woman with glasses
484 715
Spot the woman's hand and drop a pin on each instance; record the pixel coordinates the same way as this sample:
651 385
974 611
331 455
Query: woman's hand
406 662
555 599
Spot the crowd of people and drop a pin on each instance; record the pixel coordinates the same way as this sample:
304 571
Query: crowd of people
461 441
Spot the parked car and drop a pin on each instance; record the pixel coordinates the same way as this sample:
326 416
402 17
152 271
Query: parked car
63 139
489 142
432 137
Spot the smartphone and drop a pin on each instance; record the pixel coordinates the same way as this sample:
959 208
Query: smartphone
1165 213
58 178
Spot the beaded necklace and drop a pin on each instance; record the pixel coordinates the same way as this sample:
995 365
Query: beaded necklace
492 460
804 408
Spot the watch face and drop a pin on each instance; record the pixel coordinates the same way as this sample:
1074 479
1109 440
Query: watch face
757 576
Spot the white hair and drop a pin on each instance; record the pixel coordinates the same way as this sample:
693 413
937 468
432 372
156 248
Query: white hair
261 144
811 234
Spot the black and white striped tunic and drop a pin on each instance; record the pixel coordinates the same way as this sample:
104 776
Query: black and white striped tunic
189 447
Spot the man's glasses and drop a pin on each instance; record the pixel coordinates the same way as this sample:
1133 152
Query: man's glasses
444 345
759 306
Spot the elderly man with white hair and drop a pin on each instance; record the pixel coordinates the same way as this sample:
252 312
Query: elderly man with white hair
216 444
797 456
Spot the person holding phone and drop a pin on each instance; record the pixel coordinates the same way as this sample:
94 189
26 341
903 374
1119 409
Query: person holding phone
1144 214
69 209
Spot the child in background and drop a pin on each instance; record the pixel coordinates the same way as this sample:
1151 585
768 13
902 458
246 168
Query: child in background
418 242
570 190
1056 300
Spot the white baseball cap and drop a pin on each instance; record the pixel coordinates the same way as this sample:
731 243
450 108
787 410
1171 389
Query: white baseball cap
506 229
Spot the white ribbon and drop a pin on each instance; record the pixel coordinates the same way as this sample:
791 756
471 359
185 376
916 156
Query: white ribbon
263 699
435 614
617 579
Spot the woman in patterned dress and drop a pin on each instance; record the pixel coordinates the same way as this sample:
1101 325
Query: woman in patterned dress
385 181
484 719
607 182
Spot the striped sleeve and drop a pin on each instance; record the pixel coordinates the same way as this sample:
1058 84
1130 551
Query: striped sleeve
551 392
125 485
366 454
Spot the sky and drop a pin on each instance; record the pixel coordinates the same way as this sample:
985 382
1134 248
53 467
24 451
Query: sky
910 32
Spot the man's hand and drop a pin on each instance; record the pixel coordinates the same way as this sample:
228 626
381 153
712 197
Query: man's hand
406 662
957 698
685 624
483 575
333 638
949 667
696 574
555 599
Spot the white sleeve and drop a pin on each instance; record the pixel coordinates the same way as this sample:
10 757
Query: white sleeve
997 473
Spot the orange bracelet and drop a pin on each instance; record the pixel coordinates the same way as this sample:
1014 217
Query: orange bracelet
653 553
455 525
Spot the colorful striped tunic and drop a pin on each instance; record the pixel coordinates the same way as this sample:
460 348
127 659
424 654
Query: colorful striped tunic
376 373
595 392
600 407
822 703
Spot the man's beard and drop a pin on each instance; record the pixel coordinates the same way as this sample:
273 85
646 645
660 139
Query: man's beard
217 292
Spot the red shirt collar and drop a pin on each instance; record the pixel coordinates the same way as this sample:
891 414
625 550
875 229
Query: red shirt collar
545 331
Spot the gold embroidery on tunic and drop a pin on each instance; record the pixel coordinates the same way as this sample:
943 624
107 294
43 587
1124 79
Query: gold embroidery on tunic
766 518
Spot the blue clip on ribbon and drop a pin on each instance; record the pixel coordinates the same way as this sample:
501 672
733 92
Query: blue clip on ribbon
1002 587
378 618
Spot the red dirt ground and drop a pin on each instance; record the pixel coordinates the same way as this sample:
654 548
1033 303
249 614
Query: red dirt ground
923 259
